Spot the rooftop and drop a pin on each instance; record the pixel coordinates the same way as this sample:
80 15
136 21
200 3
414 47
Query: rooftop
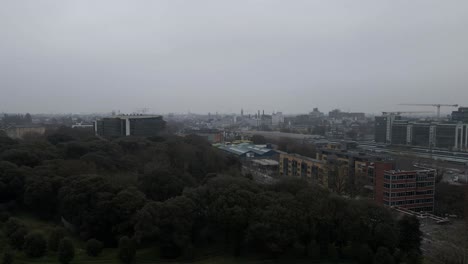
243 148
134 116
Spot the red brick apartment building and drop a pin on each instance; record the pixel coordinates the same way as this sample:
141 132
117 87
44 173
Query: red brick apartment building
413 190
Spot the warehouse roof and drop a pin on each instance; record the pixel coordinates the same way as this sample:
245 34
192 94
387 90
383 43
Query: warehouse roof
243 148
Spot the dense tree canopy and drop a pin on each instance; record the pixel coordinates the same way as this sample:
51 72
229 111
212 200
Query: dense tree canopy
179 193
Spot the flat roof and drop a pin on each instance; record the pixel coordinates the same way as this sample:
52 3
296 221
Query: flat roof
303 157
266 162
133 116
242 148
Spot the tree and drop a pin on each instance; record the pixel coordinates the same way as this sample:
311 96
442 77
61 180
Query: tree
169 222
258 139
386 236
66 251
273 229
93 247
16 239
40 196
127 250
383 256
410 234
124 207
20 157
366 255
35 245
85 202
332 252
163 183
15 230
8 257
55 236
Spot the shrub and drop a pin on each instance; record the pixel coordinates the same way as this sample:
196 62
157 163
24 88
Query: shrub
54 238
66 251
35 245
127 250
93 247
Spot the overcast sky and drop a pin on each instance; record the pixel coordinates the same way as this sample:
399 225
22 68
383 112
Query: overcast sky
207 56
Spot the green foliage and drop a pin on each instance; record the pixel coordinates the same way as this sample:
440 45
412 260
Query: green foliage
15 230
410 234
93 247
8 257
332 252
164 183
449 199
366 255
383 256
35 245
55 236
314 251
169 222
20 157
127 250
83 196
40 195
179 193
66 251
258 139
413 257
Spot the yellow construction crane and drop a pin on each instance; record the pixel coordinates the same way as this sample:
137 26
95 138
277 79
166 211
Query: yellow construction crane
433 105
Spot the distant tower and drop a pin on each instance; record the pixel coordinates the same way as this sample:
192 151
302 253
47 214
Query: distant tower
242 112
263 113
258 115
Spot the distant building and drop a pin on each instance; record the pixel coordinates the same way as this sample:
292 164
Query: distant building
277 119
130 125
383 128
246 150
294 165
338 114
316 113
445 135
461 115
211 135
413 190
82 125
19 131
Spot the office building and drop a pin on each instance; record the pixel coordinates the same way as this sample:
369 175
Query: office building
413 190
391 129
400 134
383 127
461 115
130 125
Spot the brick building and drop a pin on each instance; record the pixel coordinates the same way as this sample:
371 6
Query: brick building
303 167
413 190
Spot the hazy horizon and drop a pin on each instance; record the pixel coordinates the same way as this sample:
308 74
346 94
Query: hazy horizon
207 56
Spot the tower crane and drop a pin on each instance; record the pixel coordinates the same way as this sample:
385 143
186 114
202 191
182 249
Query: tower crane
405 112
433 105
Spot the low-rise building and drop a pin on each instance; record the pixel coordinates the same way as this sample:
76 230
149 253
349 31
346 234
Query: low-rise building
246 150
19 131
213 136
295 165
